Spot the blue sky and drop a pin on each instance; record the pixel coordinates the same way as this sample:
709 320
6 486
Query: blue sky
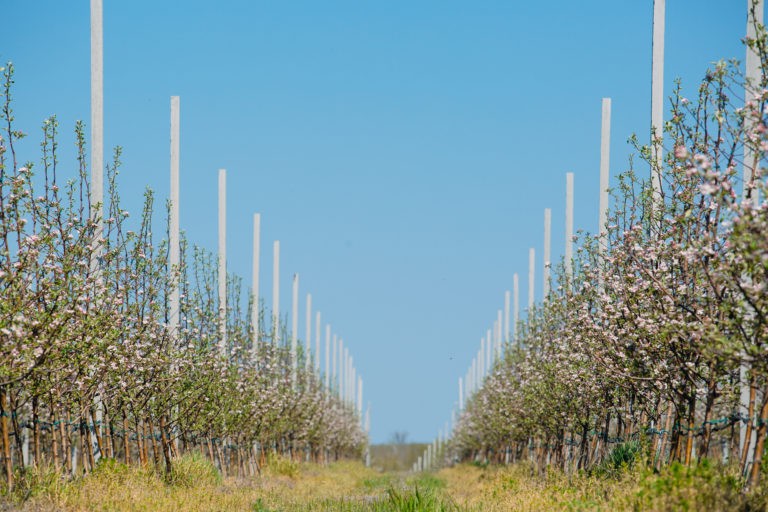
402 152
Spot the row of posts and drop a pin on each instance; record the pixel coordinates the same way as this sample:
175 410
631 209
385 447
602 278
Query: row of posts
491 346
341 374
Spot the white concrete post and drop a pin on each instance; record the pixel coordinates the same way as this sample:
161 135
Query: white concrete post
353 383
317 343
173 221
506 316
308 338
97 119
349 380
473 372
294 326
342 367
515 305
276 292
499 324
753 76
569 225
531 277
255 310
334 359
657 94
468 380
222 261
488 351
360 396
605 163
347 374
481 363
328 355
547 250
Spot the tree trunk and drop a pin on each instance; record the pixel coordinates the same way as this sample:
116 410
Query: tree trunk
711 395
664 436
4 414
140 444
85 434
65 442
155 451
126 440
54 443
35 432
96 431
748 427
166 448
754 477
691 427
17 430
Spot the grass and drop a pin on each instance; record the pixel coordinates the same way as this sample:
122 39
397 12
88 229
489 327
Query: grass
286 486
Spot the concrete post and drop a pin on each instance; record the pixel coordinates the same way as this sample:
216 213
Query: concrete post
569 225
547 250
173 221
222 261
255 309
657 95
531 277
276 292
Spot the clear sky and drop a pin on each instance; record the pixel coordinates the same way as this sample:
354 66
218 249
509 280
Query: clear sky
403 151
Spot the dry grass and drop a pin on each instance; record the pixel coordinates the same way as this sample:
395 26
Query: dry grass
515 488
348 486
121 488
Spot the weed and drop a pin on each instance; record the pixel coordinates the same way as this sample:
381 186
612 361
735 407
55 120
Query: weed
282 466
193 469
